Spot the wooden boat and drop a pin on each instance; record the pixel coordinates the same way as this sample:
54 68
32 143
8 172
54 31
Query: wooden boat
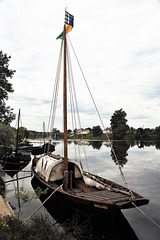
100 226
82 191
37 150
16 154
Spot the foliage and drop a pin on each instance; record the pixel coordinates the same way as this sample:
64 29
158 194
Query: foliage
40 228
157 131
34 134
69 131
145 134
27 197
39 191
119 124
6 114
97 131
6 134
23 133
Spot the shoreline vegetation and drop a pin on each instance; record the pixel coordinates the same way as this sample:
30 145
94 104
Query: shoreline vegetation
40 228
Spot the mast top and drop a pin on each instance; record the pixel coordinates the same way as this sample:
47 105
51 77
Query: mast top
68 22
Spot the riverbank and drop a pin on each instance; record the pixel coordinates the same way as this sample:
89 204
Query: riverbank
5 208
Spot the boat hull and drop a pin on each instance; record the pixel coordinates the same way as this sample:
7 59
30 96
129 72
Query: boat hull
93 205
102 226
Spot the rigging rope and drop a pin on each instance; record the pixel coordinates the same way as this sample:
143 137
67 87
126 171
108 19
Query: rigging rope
122 174
70 76
55 93
74 105
43 203
112 149
146 215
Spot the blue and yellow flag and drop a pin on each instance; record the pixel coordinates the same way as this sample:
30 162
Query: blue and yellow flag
69 19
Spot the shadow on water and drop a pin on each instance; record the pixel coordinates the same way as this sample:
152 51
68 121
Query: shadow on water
113 226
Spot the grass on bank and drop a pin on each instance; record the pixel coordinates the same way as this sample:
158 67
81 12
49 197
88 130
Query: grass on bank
40 228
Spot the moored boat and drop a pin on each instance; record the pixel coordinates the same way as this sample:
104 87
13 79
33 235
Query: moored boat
80 190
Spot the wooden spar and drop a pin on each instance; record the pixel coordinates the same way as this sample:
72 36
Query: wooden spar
17 132
65 115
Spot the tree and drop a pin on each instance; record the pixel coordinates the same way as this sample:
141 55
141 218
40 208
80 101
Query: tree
6 135
23 133
6 114
69 131
97 131
118 124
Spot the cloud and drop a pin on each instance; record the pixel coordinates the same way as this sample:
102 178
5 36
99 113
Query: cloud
117 44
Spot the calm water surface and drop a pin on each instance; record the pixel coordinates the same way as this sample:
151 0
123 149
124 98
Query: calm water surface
141 166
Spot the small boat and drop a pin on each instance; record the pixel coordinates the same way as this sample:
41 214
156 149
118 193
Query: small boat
38 150
15 153
13 167
80 190
45 148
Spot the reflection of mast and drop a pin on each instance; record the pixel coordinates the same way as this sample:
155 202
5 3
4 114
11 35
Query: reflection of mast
18 196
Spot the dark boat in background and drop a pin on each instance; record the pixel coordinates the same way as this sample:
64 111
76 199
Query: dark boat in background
12 168
38 150
16 157
45 148
75 188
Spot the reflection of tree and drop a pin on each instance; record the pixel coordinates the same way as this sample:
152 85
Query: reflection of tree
120 149
157 145
2 187
140 144
96 144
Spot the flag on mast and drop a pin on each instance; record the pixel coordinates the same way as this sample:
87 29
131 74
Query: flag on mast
69 19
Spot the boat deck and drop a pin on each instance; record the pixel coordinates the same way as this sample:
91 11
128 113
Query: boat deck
104 196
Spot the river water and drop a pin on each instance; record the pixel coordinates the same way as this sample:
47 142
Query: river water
141 166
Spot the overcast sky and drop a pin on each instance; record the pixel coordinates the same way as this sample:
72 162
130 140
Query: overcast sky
117 43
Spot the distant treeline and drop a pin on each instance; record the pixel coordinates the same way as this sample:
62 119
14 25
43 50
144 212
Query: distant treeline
8 134
132 134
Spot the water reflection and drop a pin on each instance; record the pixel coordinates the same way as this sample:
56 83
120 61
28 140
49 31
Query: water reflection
143 143
2 187
142 173
96 144
120 149
157 144
109 226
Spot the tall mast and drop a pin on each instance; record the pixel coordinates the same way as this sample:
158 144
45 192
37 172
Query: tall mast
65 115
